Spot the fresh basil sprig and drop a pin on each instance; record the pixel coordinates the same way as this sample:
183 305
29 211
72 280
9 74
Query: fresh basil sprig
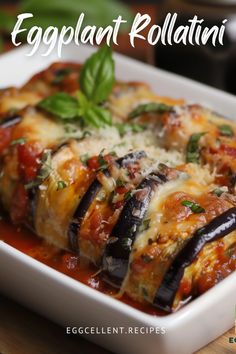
96 81
97 75
193 150
152 107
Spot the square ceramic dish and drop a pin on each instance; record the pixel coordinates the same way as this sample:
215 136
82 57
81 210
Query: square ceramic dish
71 303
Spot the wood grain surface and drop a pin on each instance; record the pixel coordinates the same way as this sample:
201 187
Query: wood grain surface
24 332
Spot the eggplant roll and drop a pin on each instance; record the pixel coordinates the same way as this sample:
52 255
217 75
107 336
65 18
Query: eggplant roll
203 136
149 199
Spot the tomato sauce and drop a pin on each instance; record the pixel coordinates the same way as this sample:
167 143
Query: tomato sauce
62 261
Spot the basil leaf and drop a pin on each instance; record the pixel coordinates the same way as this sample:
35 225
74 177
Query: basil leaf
97 116
193 151
97 76
196 208
152 107
84 104
61 105
226 130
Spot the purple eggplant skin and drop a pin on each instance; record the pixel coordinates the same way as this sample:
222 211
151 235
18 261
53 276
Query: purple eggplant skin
91 193
131 158
219 227
10 121
80 214
116 255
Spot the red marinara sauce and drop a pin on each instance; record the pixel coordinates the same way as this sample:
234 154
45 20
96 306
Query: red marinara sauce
28 154
62 261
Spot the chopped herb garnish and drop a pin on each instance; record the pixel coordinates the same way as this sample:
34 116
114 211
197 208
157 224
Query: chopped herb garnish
127 196
119 145
193 150
145 225
46 167
61 185
226 130
102 151
102 162
124 128
44 172
196 208
72 132
218 192
120 183
152 107
70 128
84 158
113 153
19 141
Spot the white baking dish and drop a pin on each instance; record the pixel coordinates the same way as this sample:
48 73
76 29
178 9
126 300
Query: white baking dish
71 303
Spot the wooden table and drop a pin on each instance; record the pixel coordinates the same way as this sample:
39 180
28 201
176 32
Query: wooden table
24 332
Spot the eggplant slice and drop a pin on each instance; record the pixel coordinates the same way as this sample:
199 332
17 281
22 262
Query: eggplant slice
219 227
98 212
79 214
90 195
117 252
